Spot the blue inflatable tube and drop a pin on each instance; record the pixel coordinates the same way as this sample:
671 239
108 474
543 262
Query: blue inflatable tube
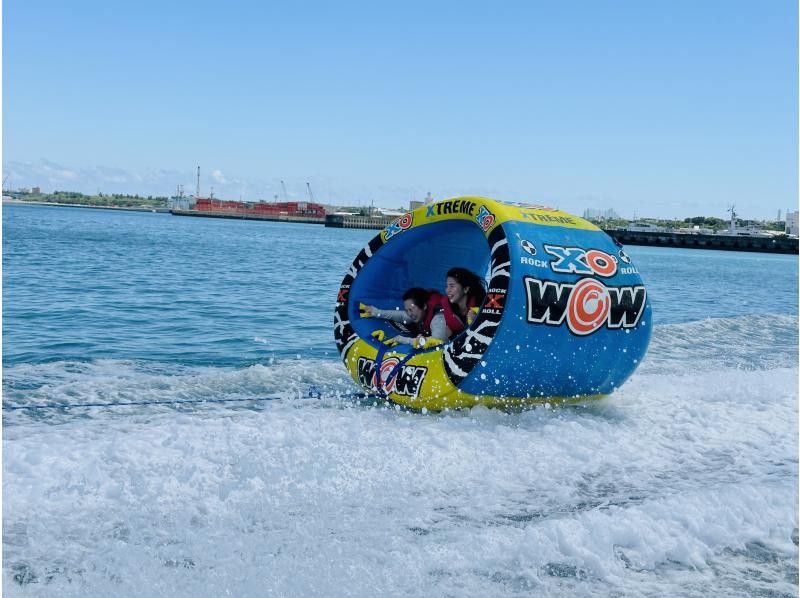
566 315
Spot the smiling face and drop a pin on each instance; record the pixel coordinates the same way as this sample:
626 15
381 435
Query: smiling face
414 311
454 291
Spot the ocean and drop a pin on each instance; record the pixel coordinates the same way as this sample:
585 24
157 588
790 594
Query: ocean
177 422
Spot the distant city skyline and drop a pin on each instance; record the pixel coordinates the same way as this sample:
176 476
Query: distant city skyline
663 110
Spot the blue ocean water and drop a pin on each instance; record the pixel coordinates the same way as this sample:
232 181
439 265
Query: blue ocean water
684 482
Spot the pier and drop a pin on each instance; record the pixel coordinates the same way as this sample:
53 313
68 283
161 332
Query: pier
250 216
778 244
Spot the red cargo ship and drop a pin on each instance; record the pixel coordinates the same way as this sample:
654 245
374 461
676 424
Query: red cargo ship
294 209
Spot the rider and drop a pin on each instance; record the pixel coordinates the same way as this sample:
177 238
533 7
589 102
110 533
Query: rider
465 294
423 315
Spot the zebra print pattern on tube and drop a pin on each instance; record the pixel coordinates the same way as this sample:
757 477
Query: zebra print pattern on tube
342 329
464 352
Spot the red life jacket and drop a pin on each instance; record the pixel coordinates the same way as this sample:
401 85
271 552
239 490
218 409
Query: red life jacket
454 321
432 308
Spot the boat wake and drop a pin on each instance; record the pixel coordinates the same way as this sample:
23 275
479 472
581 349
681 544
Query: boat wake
682 482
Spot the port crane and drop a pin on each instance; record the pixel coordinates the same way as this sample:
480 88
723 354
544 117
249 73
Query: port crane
285 195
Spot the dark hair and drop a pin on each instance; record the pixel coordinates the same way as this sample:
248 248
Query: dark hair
468 279
418 295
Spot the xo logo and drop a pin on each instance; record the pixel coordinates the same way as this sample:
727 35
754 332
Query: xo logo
485 218
398 226
588 306
574 260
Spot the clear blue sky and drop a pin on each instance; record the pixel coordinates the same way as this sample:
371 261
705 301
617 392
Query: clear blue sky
670 108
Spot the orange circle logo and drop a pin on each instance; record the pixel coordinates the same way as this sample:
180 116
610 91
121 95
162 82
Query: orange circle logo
588 306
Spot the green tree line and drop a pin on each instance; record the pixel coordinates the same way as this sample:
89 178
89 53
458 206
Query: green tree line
119 200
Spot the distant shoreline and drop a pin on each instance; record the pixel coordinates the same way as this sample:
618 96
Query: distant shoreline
80 205
779 245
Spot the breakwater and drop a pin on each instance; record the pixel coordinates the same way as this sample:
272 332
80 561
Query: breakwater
780 244
250 216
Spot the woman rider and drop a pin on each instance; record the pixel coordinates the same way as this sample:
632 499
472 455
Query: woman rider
465 295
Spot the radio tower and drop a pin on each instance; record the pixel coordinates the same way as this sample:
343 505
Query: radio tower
197 193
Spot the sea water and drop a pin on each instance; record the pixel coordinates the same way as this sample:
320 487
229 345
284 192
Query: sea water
177 422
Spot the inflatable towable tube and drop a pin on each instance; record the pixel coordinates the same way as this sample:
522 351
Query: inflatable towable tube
566 316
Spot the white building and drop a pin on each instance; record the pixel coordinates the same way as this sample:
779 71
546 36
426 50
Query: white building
594 214
791 223
180 202
645 227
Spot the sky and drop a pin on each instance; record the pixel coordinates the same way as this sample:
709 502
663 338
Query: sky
656 108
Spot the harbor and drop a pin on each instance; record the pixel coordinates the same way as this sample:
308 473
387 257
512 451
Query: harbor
733 239
691 233
719 241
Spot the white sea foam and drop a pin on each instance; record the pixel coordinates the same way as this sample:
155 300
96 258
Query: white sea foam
743 342
459 500
677 484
